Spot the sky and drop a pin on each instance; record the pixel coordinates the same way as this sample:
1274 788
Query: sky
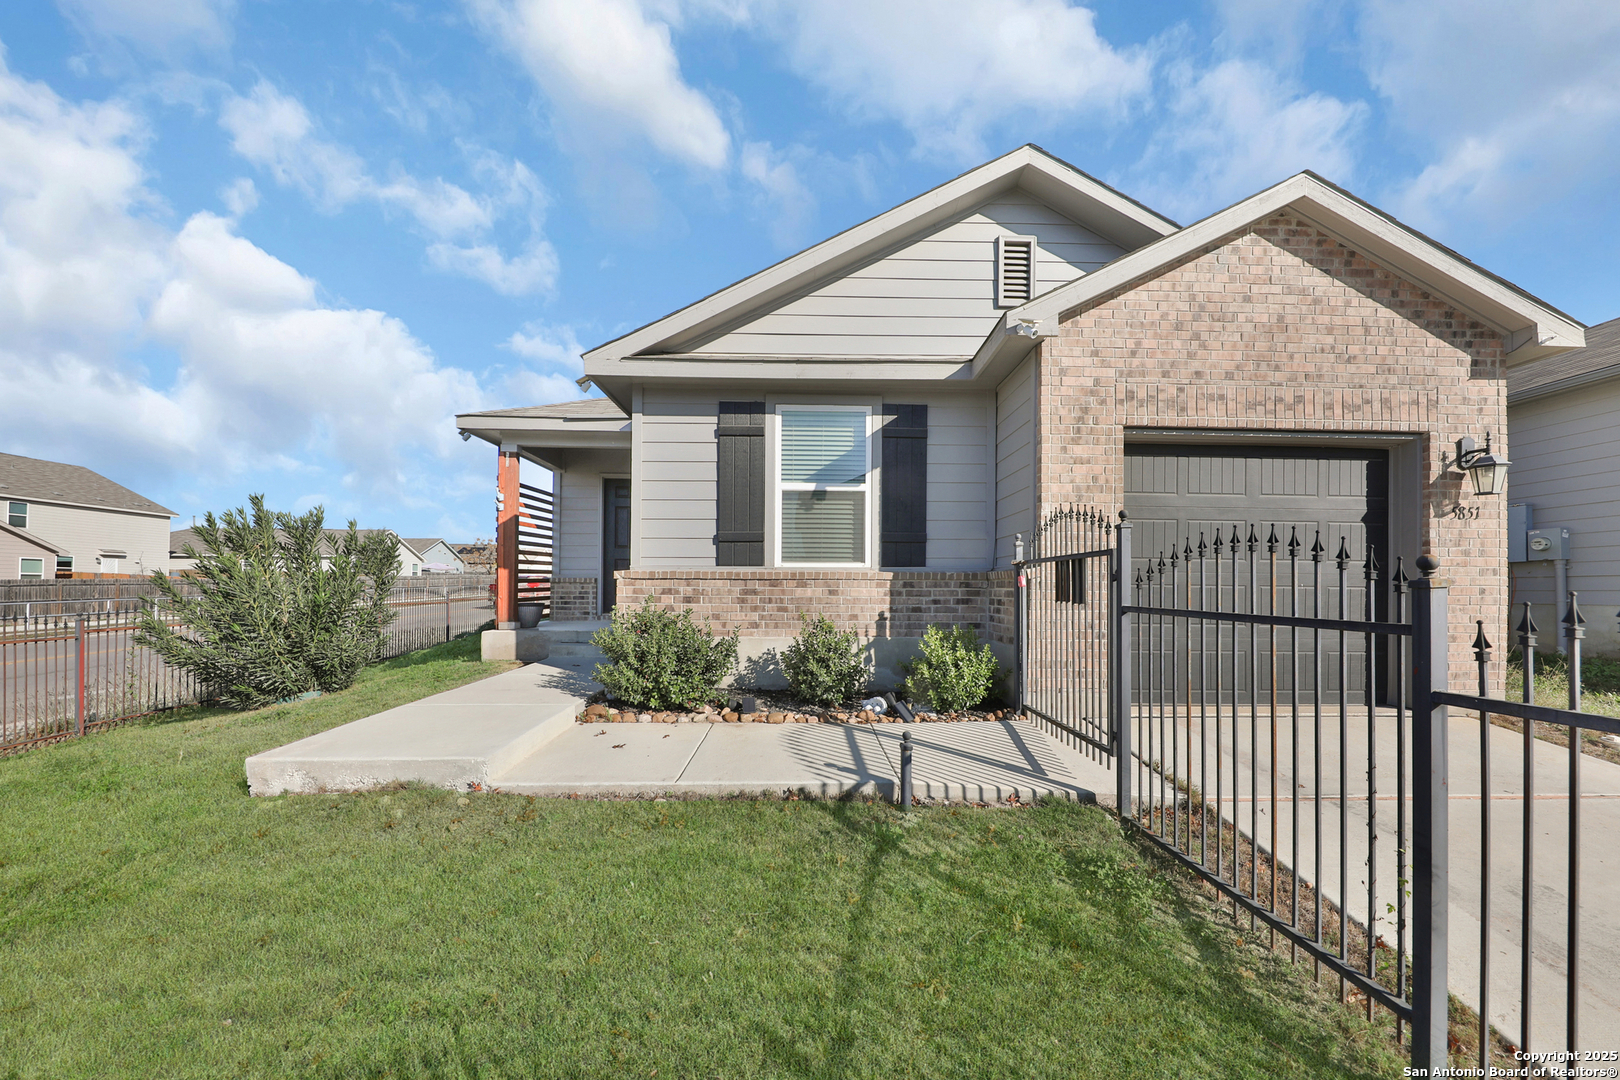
271 246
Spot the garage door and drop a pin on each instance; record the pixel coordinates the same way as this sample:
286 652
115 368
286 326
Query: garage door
1177 493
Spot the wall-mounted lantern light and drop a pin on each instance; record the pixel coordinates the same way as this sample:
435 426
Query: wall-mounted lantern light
1485 469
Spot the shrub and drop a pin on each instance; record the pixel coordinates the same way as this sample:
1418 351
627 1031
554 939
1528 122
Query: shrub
953 672
662 660
823 665
278 610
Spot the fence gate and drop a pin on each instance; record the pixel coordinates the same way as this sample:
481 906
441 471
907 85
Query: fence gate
1066 602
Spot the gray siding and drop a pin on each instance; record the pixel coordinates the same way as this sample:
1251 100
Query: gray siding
578 543
932 297
1015 458
1563 449
675 478
85 532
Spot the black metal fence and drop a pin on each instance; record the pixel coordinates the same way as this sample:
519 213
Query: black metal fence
1276 716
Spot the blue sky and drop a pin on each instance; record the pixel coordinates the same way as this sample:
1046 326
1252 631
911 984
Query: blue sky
254 245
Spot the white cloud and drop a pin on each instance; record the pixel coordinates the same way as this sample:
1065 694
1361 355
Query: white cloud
1511 103
555 352
791 204
274 131
240 196
609 69
265 371
949 69
1239 127
168 30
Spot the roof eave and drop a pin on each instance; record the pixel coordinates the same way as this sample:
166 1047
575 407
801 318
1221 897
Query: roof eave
1532 329
1043 175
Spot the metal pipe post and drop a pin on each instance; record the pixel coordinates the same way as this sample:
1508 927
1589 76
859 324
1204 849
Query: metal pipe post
79 652
1122 671
1574 631
905 771
1430 823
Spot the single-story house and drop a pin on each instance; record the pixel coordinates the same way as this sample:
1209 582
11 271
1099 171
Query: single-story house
434 556
866 427
79 524
1564 424
410 561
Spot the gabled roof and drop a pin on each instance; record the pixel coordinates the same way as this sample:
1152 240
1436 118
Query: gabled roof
1599 360
25 478
1531 327
1055 182
30 538
421 546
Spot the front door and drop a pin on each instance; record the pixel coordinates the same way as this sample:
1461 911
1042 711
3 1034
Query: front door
615 537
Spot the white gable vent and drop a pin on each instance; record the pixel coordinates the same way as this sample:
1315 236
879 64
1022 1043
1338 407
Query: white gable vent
1015 270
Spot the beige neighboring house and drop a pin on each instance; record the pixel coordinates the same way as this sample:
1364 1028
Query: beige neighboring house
1563 421
437 557
63 521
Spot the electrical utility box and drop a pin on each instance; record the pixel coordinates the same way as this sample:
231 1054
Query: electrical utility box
1521 516
1547 544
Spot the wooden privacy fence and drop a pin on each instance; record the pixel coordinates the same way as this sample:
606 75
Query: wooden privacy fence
64 673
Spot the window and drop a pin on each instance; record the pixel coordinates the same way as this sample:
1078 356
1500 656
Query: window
64 566
17 515
109 564
824 485
31 569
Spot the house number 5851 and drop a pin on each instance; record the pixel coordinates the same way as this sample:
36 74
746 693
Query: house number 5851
1461 511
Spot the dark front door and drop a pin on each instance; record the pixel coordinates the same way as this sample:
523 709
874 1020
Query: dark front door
615 536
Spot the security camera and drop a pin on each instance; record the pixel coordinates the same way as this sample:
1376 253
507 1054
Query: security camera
466 435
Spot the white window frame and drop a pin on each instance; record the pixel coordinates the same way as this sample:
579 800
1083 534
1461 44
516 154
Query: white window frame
60 559
777 487
22 576
17 502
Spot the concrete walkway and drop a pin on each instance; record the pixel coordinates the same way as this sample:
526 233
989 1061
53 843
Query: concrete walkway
517 732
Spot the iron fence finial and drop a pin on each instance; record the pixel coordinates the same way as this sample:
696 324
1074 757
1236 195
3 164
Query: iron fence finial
1482 644
1202 547
1272 541
1219 543
1254 537
1293 541
1343 557
1399 578
1574 622
1317 549
1372 562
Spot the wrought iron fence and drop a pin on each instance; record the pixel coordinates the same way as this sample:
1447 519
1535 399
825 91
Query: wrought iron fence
1277 720
64 674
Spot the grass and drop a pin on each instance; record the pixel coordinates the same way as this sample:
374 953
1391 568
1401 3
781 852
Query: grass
159 922
1600 693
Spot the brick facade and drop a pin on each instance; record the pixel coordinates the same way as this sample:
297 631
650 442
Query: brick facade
1282 328
573 599
874 603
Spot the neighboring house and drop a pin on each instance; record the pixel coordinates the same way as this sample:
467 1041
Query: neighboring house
410 560
90 526
477 558
1564 426
864 428
437 557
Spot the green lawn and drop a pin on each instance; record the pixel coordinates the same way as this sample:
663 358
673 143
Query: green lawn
159 922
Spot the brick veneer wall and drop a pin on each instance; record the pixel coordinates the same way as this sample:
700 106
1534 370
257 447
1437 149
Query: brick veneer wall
1282 327
573 598
874 603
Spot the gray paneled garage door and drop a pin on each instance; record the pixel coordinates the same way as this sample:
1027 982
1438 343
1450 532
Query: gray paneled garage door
1178 493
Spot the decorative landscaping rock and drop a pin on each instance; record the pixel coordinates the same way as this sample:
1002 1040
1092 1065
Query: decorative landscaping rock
772 708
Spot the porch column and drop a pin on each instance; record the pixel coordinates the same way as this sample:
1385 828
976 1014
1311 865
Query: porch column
506 539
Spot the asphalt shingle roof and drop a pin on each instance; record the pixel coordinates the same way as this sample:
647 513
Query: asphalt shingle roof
584 409
25 478
1599 360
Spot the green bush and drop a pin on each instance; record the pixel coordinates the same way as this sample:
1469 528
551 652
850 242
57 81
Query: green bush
280 610
823 665
662 660
953 672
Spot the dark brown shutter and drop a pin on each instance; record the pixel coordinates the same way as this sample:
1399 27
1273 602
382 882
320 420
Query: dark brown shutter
905 486
739 518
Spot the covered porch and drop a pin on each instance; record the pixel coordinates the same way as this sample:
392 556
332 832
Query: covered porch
560 534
